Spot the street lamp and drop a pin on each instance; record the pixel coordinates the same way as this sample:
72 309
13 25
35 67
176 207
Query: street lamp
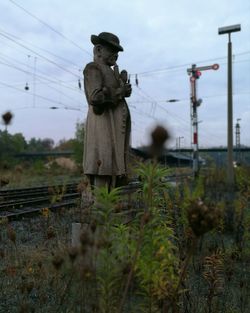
221 31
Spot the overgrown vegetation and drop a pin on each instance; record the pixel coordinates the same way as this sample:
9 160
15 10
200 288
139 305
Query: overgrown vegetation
164 249
12 145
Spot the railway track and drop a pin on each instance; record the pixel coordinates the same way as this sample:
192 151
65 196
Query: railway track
15 203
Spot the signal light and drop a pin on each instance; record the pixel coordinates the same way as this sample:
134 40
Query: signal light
215 66
197 74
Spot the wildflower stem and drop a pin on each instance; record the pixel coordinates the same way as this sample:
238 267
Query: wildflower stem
130 275
184 270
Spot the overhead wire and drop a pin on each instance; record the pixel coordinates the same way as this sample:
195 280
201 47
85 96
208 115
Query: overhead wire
69 61
75 44
40 48
170 68
49 26
53 88
80 47
41 56
53 81
31 94
181 120
188 99
151 99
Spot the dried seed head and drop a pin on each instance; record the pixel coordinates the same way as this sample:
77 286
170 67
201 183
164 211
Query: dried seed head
4 181
95 308
57 261
18 169
24 307
2 254
11 234
146 217
93 226
104 243
73 252
87 271
235 255
50 232
100 243
83 250
7 117
159 136
22 287
85 238
40 264
126 269
4 220
118 207
51 190
201 217
229 274
82 186
29 286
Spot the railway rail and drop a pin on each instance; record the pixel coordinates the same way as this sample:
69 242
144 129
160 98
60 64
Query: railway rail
15 203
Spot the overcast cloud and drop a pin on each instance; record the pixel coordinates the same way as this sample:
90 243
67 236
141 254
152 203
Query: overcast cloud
161 39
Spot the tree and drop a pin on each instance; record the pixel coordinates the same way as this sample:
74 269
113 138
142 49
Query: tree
19 142
10 145
40 145
78 145
47 144
65 144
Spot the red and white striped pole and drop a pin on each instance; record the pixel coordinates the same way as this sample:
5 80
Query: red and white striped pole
195 73
194 121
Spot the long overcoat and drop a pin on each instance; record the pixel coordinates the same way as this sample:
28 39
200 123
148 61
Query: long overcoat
108 124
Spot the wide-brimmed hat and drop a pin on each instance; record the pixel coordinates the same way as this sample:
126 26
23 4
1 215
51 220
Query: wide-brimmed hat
107 39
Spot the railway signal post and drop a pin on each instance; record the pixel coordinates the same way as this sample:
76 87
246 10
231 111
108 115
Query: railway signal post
195 73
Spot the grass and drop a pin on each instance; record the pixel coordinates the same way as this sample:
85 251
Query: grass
36 174
175 253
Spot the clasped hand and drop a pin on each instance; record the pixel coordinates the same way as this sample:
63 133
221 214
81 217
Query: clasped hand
127 90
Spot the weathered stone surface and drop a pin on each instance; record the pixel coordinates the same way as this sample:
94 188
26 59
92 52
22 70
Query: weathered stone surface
108 124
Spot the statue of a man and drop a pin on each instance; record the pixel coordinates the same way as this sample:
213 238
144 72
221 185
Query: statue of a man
108 124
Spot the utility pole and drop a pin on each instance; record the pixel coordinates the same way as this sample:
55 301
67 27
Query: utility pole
195 73
221 31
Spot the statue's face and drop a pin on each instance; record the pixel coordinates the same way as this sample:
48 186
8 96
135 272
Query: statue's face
109 55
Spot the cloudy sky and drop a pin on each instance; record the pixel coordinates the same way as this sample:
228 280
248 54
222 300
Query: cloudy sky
45 44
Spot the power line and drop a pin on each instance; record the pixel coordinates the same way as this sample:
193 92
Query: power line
176 117
188 99
32 94
7 58
140 73
50 108
58 82
42 49
48 26
41 56
170 68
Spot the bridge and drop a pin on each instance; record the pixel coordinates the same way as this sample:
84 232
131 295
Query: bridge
68 153
172 157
